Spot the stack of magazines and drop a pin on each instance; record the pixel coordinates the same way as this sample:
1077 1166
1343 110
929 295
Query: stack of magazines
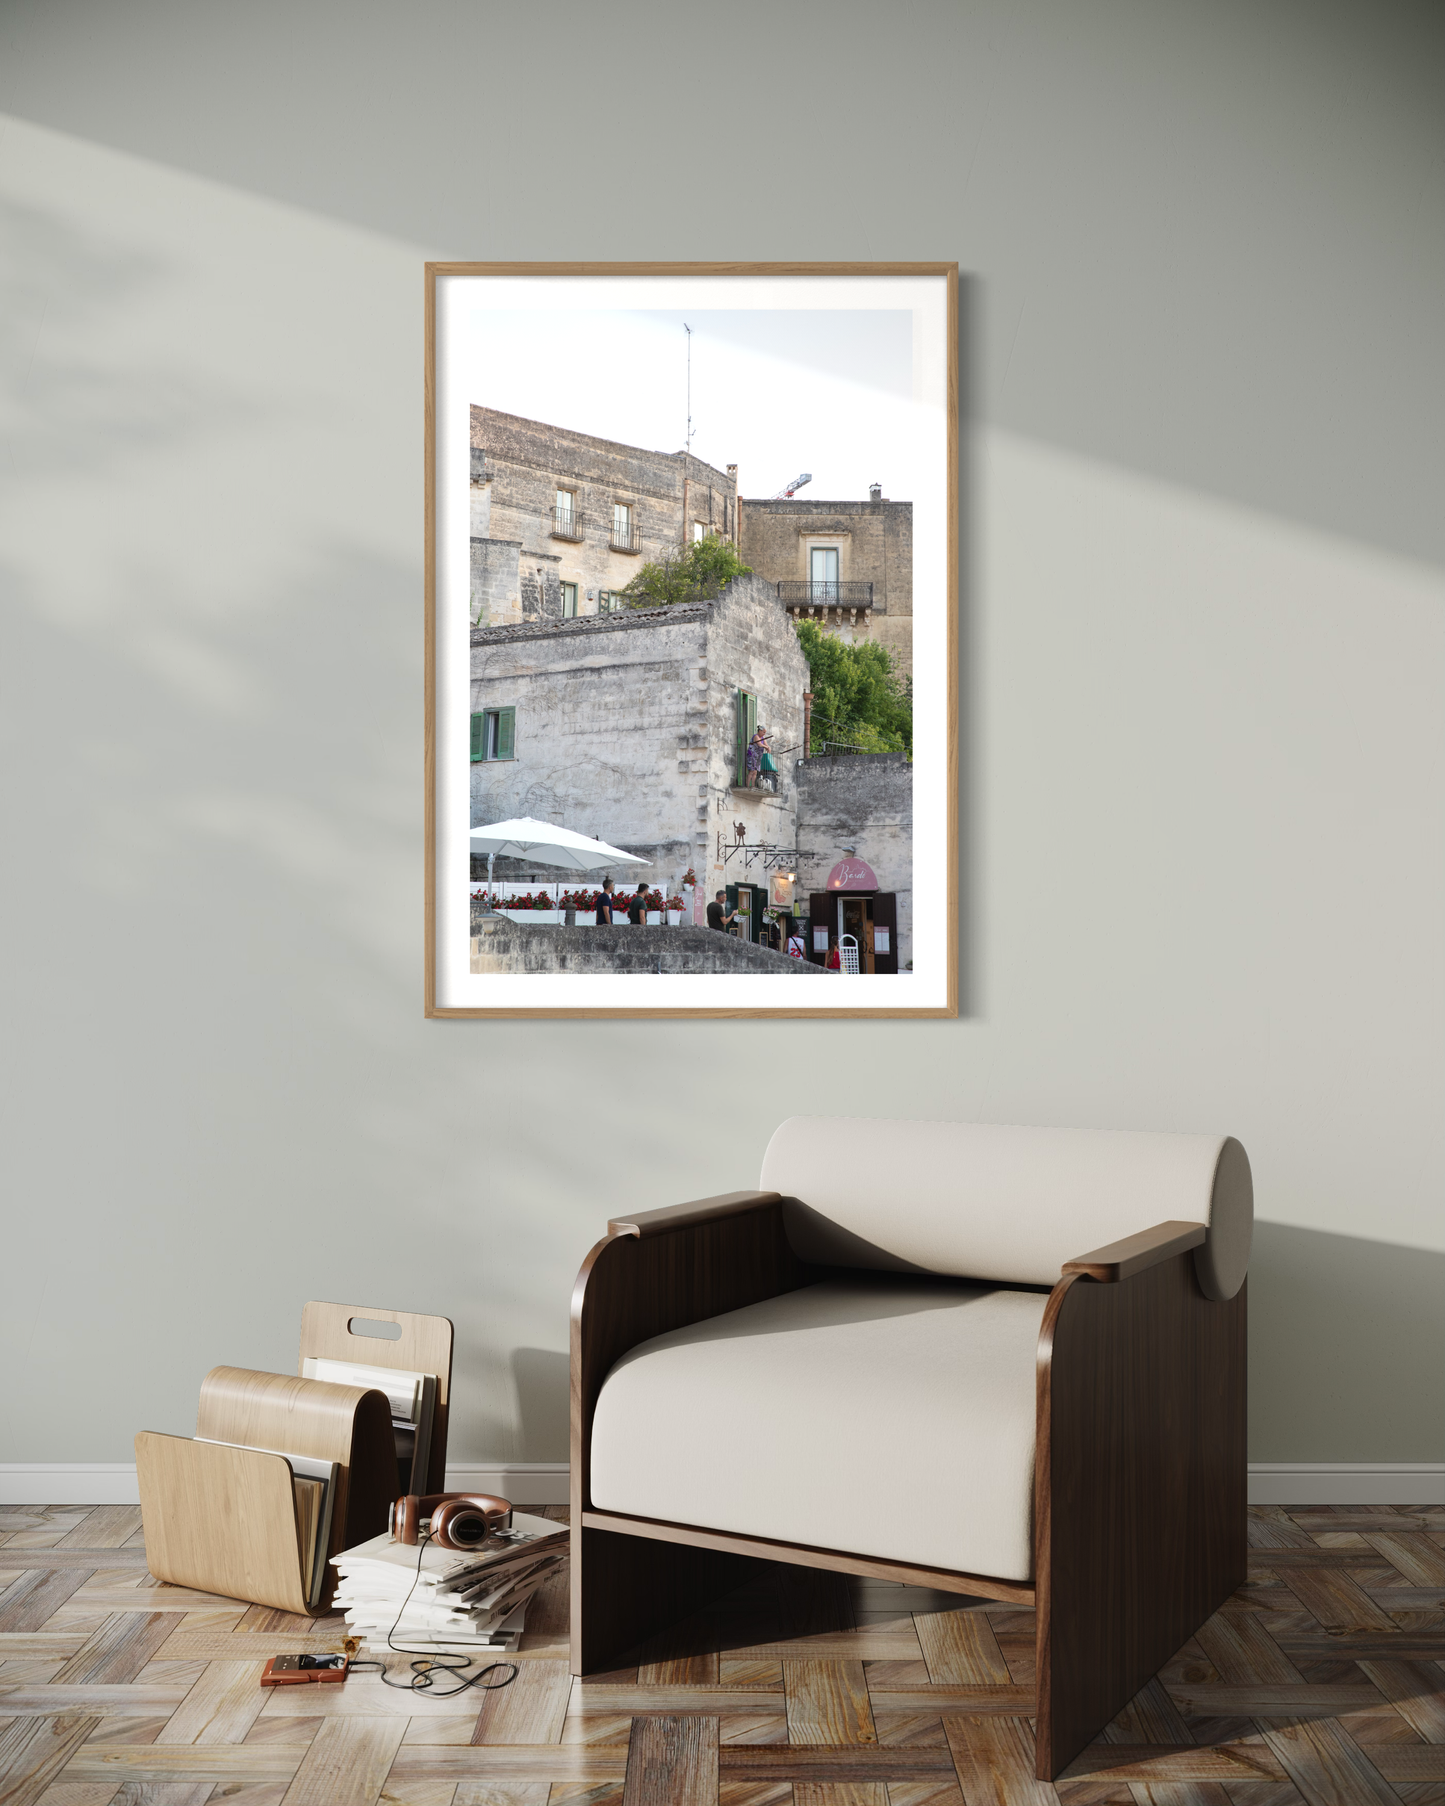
412 1397
452 1599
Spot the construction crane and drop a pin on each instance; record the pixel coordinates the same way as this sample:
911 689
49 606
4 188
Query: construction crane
784 495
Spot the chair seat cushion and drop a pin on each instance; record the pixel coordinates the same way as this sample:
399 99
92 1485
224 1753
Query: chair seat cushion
878 1416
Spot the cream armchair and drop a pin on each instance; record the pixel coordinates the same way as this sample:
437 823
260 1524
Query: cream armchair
1006 1362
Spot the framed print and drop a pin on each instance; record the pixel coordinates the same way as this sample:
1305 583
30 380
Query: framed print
692 555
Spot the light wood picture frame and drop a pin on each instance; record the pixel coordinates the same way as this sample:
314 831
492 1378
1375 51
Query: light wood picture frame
699 670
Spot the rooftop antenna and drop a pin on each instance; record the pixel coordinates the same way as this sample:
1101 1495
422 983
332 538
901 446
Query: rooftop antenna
688 330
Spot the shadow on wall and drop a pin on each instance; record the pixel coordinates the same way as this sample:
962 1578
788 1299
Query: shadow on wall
1346 1347
543 1383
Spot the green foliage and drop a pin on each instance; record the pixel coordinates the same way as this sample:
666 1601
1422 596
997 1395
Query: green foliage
858 697
696 575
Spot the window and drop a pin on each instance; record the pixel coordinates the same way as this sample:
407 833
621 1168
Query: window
569 601
494 734
624 529
699 531
747 727
566 516
610 599
823 573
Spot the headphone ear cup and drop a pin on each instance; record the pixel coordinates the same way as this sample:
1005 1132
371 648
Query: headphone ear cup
403 1518
465 1520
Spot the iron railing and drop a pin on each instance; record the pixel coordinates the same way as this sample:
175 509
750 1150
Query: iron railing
626 539
832 749
567 523
826 595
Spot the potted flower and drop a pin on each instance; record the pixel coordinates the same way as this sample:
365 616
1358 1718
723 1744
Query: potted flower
674 910
654 909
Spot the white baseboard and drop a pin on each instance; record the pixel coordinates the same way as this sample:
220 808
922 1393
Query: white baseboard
68 1483
1347 1482
545 1482
114 1482
524 1482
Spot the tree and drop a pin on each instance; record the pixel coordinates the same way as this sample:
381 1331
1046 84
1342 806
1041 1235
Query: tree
858 697
696 575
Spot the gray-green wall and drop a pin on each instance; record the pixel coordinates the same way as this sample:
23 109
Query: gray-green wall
1201 654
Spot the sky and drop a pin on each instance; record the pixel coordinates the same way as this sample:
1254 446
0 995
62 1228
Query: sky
774 391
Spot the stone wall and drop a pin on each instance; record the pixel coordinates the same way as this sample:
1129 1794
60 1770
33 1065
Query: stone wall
626 727
499 946
864 801
496 595
604 714
875 545
518 465
752 647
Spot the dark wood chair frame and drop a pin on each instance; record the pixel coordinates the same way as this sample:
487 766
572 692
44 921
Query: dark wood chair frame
1139 1474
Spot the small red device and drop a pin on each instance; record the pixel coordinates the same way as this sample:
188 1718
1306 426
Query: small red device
288 1670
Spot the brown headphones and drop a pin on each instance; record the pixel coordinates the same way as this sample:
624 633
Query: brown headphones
452 1520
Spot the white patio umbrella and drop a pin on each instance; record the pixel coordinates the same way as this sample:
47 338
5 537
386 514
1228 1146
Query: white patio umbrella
543 843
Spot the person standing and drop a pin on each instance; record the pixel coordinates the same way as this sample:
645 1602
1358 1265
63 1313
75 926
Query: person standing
637 908
604 904
718 915
767 764
753 762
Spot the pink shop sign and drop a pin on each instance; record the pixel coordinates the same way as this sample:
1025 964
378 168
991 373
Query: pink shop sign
852 874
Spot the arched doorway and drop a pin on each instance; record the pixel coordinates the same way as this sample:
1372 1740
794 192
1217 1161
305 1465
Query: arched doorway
852 903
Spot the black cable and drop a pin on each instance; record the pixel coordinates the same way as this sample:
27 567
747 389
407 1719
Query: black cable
422 1671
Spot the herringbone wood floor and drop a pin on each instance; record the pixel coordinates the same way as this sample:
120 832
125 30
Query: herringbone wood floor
1322 1681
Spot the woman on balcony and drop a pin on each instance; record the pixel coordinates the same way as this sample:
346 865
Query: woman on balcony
754 760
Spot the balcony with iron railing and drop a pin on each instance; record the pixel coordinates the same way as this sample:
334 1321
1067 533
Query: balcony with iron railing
625 538
567 523
828 595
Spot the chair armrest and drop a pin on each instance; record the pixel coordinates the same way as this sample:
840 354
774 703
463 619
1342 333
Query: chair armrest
643 1281
683 1216
1139 1476
1120 1260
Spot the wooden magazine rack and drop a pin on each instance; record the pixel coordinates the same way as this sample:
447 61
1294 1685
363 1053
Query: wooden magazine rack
223 1519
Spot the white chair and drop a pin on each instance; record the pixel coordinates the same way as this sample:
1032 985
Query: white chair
1007 1362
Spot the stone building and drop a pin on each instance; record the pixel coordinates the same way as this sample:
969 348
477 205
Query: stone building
847 565
857 812
561 521
630 726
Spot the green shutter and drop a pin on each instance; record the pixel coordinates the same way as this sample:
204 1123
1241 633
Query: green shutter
506 733
747 727
479 737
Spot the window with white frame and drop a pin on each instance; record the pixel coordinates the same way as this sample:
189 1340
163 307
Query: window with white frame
566 516
823 573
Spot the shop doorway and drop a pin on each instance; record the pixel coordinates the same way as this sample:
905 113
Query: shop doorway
869 917
750 901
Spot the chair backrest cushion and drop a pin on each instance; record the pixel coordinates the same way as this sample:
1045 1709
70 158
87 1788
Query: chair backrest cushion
993 1201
